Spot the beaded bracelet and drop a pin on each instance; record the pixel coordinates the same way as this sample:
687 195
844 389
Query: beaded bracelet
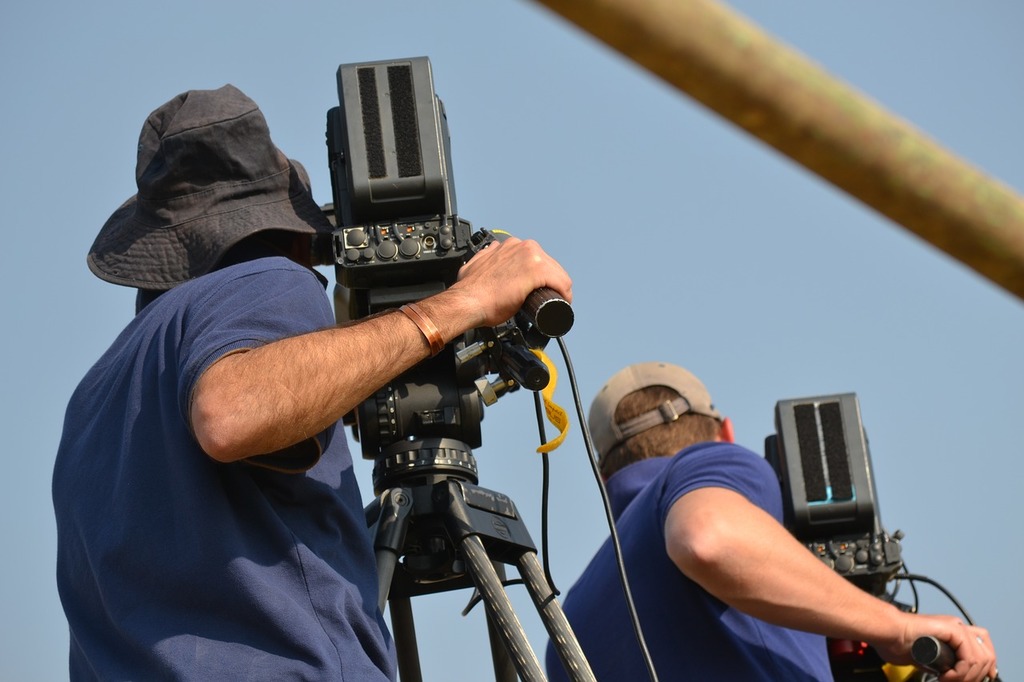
430 332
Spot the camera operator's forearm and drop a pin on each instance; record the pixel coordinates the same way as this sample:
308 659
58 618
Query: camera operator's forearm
744 557
741 555
268 398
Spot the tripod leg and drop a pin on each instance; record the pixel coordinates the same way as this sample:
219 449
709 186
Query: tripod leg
405 640
504 671
562 636
389 517
499 608
386 562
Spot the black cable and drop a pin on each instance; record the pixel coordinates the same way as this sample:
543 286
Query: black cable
631 607
544 490
949 595
913 587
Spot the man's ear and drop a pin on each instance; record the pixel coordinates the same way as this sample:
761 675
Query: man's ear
727 435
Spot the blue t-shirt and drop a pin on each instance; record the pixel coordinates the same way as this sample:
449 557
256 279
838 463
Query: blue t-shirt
171 565
691 635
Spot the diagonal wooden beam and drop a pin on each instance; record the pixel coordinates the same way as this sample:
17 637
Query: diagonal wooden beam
737 70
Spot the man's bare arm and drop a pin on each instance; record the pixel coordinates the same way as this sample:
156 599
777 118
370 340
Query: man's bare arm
741 555
268 398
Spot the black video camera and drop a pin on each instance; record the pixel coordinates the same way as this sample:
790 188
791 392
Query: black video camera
820 453
399 239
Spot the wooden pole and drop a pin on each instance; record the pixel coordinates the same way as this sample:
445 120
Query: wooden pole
734 68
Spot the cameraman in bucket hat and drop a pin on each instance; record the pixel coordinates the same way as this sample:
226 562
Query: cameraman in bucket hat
723 591
209 522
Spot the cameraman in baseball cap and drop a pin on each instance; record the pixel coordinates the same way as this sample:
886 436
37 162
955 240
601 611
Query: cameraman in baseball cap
722 589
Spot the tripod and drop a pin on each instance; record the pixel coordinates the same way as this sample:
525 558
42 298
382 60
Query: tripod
454 534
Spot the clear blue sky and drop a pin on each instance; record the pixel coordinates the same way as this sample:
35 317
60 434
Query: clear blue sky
687 240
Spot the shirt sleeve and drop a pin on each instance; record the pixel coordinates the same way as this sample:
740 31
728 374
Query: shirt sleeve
722 465
245 310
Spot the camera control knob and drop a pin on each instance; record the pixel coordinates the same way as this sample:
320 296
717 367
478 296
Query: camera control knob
445 238
844 563
387 250
355 238
409 248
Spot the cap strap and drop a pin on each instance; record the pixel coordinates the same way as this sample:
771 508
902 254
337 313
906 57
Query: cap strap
666 412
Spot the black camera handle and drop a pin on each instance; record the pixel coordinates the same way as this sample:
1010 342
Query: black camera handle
549 313
935 656
544 310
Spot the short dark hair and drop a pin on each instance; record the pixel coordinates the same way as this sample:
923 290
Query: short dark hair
663 440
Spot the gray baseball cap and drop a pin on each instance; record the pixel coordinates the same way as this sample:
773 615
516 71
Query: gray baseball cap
604 430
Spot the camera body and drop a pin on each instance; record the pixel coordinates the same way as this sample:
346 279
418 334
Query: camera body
398 239
820 453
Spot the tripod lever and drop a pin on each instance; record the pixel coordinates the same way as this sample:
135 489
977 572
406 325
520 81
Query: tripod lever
395 506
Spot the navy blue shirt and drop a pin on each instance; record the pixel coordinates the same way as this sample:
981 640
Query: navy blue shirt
171 565
690 634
